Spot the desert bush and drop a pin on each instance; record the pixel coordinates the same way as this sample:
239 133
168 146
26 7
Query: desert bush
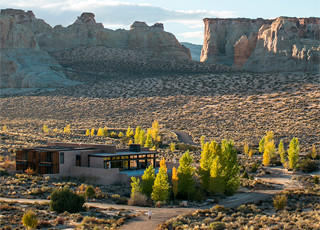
59 220
308 165
255 167
245 174
36 191
316 179
217 226
6 228
30 219
138 199
176 224
120 221
220 208
65 199
43 223
90 192
280 201
244 209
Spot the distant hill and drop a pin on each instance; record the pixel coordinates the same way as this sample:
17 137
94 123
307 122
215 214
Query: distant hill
194 49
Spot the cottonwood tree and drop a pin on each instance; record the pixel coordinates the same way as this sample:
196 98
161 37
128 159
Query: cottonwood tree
155 131
160 188
293 152
268 148
128 133
175 180
147 181
92 132
100 132
163 164
142 138
149 142
105 131
186 173
282 153
137 135
313 152
88 132
135 186
246 149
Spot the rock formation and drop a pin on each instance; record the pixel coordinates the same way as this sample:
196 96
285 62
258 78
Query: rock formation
24 37
283 44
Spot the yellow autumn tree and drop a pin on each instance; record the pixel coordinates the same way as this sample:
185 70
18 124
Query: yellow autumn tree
174 182
92 132
155 131
100 132
163 164
88 132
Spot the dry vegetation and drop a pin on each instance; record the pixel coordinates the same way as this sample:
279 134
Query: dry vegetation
226 106
300 212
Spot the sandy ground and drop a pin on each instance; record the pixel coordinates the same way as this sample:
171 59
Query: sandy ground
159 215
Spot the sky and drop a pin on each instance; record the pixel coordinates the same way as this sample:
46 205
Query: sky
182 18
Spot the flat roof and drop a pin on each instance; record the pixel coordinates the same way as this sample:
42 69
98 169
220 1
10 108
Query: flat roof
121 154
55 148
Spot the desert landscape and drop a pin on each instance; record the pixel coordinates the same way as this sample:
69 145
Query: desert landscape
255 82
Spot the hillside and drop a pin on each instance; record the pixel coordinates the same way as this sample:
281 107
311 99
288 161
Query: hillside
195 50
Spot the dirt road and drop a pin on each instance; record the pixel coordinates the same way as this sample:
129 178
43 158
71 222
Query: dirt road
185 138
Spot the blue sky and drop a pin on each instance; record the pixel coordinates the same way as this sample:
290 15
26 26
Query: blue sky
182 18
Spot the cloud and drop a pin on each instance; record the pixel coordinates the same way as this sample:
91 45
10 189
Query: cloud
195 34
111 12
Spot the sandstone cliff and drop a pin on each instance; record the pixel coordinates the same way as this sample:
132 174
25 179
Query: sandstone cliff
23 64
283 44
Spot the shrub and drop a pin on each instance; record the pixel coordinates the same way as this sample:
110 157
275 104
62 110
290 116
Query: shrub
90 192
138 199
176 224
29 219
217 226
244 209
316 179
308 165
279 202
220 208
60 220
255 167
65 199
245 174
43 223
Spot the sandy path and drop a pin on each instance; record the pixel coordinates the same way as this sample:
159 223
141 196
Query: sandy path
185 138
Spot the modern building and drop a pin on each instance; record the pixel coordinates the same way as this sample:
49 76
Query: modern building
105 162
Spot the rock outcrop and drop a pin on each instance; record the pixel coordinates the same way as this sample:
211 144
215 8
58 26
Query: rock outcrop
28 43
283 44
23 64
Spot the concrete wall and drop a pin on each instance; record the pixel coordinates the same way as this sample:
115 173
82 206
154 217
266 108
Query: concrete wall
69 160
105 176
96 162
84 156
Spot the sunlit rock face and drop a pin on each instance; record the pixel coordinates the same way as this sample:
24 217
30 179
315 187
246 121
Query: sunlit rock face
282 44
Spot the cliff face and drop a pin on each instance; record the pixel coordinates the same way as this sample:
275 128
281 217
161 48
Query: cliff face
283 44
28 43
85 31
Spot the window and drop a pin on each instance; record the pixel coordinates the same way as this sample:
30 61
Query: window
61 158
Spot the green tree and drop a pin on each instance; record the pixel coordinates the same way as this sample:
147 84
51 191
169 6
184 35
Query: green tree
142 138
217 183
105 132
186 173
160 189
135 186
293 152
230 167
147 182
137 135
282 152
29 219
149 142
128 133
175 180
261 145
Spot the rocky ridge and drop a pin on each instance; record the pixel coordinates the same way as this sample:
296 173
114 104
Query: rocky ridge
281 44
